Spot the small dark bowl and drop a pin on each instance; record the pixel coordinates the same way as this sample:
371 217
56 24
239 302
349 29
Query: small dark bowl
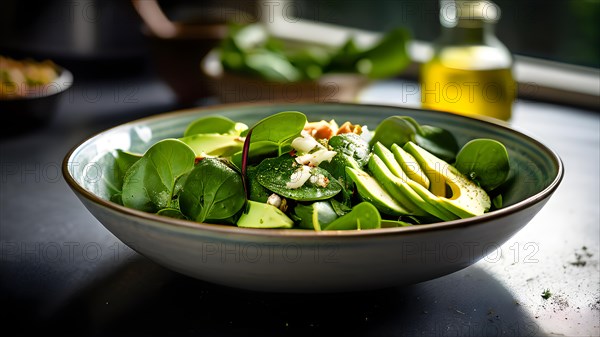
36 109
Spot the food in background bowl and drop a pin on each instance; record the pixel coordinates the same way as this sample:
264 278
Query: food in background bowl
22 78
29 93
252 64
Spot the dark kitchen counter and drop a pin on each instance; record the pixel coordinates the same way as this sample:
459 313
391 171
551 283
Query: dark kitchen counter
62 273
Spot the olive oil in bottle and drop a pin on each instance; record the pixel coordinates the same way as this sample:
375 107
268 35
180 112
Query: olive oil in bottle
470 71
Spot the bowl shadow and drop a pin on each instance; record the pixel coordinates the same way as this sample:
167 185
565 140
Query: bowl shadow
142 298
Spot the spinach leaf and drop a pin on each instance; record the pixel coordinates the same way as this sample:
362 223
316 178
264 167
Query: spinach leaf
315 215
351 145
315 183
337 168
149 184
485 161
257 192
214 124
272 66
212 144
438 141
393 130
497 201
401 129
352 151
387 57
277 131
213 191
339 207
174 213
271 135
362 216
251 50
116 164
310 60
394 223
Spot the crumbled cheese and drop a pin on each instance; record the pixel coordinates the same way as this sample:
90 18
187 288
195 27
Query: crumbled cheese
299 177
305 143
366 134
319 180
315 158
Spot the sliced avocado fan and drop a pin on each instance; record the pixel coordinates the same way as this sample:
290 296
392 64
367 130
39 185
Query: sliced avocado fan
465 198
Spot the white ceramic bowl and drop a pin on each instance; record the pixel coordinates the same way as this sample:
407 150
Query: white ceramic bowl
307 261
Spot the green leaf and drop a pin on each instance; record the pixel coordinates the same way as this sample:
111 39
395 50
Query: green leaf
215 124
401 129
497 201
394 223
393 130
116 164
149 184
351 145
251 50
276 174
485 161
315 215
272 67
388 57
337 168
272 135
213 191
212 144
438 141
279 129
172 213
362 216
257 192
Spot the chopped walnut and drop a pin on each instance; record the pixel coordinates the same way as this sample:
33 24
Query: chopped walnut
321 129
349 128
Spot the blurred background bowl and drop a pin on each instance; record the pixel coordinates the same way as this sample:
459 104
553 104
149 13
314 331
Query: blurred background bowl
177 45
37 108
231 87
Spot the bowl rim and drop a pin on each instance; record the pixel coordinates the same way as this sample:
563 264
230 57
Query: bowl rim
187 225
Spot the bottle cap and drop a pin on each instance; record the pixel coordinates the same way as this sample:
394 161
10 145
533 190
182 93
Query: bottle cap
468 13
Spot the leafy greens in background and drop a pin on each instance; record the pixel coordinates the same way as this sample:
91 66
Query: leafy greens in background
251 50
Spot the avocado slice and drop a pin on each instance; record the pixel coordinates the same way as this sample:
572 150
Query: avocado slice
433 200
410 165
402 184
260 215
466 199
370 190
401 192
